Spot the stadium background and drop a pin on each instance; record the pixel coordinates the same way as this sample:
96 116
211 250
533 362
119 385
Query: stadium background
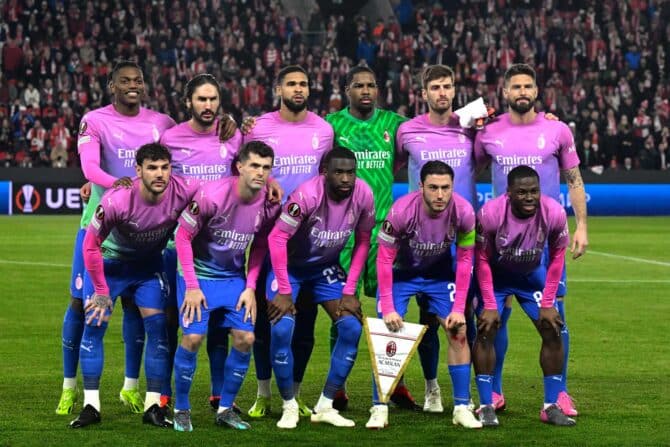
602 67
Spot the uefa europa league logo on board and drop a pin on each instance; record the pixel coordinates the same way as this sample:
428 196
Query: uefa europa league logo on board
27 199
28 191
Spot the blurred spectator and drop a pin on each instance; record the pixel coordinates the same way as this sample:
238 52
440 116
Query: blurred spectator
597 62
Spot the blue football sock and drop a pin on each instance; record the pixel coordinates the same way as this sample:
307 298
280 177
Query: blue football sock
158 352
236 368
485 388
565 335
282 357
184 370
429 352
92 353
133 339
500 345
303 341
460 379
173 342
73 328
344 354
217 351
552 386
262 333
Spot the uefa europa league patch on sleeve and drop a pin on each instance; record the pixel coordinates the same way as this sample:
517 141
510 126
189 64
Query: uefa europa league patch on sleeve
100 212
293 209
194 208
82 127
387 227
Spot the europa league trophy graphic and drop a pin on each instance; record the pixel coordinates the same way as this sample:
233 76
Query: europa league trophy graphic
28 191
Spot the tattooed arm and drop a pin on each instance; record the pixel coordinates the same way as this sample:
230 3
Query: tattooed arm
578 200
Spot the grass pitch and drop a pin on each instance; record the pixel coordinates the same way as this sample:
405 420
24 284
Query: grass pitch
617 310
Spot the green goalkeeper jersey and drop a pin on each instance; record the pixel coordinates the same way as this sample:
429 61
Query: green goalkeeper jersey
373 141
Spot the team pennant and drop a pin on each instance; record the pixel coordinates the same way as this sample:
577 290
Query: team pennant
390 352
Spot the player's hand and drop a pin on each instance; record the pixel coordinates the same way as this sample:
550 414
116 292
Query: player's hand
227 127
85 192
98 306
350 304
280 306
275 190
551 117
580 241
549 317
191 307
248 124
124 182
393 321
489 319
454 321
248 301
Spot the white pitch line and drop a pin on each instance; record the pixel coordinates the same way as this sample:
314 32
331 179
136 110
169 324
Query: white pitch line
631 281
630 258
36 264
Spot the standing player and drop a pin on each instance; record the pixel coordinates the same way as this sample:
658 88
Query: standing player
123 256
437 135
370 133
212 238
512 233
318 219
523 137
198 152
299 139
414 247
107 142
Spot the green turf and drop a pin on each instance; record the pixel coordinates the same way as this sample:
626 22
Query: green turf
617 309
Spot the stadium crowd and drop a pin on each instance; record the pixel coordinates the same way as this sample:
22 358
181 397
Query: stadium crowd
602 66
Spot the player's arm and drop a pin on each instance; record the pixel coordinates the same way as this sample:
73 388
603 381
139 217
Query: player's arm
290 219
190 223
465 248
362 236
387 251
489 318
577 193
558 240
101 302
88 145
283 301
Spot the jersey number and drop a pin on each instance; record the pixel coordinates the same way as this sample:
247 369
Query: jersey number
333 274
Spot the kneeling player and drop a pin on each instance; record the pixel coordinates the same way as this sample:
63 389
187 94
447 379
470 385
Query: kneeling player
415 258
316 223
213 235
512 231
135 224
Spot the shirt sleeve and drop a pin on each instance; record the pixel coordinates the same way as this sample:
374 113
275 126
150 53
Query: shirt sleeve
567 152
293 212
88 145
390 231
196 213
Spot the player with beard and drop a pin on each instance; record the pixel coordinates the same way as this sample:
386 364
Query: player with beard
437 135
198 152
299 139
316 222
108 139
415 257
523 137
123 256
370 132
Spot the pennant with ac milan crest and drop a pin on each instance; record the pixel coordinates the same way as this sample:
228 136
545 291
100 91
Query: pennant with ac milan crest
390 352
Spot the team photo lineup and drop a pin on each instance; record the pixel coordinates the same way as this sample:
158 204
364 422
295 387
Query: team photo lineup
207 231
